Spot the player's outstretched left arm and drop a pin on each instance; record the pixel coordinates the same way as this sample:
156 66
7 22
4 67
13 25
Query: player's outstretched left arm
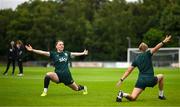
159 45
125 75
85 52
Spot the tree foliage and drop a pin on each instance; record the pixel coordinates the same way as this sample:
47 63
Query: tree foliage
101 26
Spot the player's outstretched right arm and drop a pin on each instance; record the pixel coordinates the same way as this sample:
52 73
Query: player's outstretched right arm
29 48
125 75
85 52
158 46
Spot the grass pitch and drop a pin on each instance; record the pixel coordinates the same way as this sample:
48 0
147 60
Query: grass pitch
26 90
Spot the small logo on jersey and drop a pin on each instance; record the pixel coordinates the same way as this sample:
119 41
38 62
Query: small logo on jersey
65 54
62 59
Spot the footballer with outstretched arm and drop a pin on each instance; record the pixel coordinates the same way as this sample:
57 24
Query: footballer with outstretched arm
146 76
62 73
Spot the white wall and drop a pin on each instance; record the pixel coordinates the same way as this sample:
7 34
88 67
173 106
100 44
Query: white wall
100 64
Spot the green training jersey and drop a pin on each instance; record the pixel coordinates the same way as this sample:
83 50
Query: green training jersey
60 61
144 63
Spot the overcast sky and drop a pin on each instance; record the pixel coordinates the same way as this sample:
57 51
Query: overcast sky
13 3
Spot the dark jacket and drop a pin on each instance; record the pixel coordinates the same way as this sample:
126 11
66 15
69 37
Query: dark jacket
12 53
19 53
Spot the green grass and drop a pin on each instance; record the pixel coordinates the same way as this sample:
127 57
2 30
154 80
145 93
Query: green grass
25 91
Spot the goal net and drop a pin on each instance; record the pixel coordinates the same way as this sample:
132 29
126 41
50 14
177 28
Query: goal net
165 57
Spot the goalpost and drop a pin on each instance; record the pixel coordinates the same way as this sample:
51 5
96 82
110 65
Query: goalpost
165 57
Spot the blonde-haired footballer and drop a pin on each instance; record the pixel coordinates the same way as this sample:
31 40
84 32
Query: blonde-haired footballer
62 73
146 76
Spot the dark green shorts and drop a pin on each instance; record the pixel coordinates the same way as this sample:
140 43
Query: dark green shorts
146 81
65 78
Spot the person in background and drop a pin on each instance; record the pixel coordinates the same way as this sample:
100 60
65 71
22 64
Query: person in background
11 58
19 56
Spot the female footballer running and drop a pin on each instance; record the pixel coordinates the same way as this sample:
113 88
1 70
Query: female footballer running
146 76
62 73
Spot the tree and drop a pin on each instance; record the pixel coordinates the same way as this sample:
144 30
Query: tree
6 16
153 36
101 26
170 21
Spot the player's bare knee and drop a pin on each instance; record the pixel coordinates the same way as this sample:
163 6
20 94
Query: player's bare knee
48 74
133 98
160 77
